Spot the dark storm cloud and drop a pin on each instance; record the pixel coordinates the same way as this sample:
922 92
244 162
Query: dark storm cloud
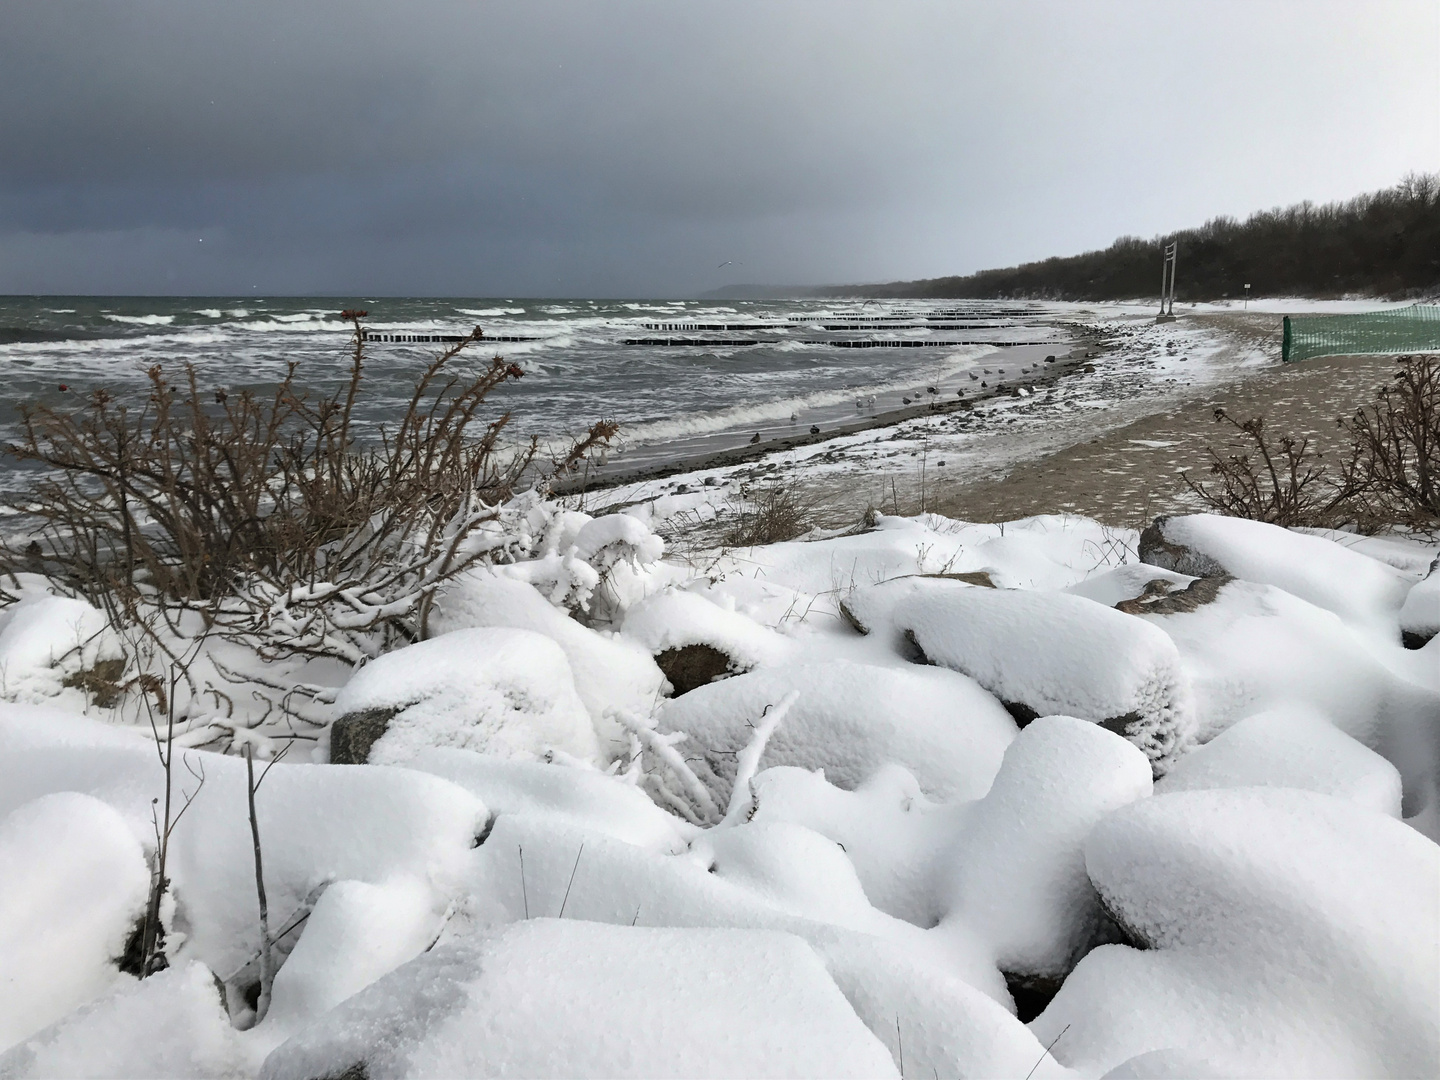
628 148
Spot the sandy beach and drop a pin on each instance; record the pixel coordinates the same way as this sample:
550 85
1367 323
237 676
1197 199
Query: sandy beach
1106 431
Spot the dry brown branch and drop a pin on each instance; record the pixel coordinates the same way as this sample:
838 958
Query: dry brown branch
264 514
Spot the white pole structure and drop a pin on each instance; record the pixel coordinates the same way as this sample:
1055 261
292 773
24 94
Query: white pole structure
1164 270
1174 259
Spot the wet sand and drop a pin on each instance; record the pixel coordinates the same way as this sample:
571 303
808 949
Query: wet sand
1128 475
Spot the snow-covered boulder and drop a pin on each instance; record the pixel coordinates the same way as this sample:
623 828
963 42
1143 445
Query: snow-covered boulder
1420 614
1016 875
497 691
1361 590
73 885
1257 647
849 720
170 1026
1045 653
610 672
696 641
1280 933
1293 748
552 998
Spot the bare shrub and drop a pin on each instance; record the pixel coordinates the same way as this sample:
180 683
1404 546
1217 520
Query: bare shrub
1390 475
1285 484
263 518
769 515
1396 464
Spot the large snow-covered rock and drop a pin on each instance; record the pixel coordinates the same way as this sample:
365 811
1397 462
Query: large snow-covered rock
1017 871
498 691
849 720
1294 748
1281 933
1046 653
73 884
670 623
551 998
1359 589
610 672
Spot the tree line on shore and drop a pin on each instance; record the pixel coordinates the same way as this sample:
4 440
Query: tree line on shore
1384 243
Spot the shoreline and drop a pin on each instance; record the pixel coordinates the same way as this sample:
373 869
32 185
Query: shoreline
1111 446
615 474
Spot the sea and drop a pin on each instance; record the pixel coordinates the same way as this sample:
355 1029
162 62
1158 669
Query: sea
679 376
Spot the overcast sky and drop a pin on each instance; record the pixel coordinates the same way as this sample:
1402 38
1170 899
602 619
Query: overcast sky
628 149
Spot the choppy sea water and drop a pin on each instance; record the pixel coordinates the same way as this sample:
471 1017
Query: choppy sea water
669 372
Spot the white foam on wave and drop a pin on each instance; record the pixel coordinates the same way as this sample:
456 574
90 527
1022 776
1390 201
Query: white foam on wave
209 312
490 311
760 412
141 320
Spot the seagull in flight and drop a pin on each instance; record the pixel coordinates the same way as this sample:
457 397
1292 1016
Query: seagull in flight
727 262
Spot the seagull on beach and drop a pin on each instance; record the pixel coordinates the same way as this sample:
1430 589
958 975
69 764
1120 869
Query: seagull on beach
755 438
973 376
933 390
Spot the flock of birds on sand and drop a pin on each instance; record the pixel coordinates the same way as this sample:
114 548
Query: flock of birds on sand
861 403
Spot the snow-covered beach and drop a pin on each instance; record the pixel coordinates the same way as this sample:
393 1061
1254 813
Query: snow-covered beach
910 795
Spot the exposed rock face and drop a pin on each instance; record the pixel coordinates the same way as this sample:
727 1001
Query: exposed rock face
692 666
1157 549
352 736
1159 599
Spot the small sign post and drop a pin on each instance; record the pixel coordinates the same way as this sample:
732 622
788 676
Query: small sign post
1247 296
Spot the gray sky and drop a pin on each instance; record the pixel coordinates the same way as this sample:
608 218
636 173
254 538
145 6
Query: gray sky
627 149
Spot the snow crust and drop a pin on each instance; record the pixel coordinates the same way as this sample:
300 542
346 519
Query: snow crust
171 1026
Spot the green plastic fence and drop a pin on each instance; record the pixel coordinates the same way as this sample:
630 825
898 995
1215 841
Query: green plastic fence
1401 330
